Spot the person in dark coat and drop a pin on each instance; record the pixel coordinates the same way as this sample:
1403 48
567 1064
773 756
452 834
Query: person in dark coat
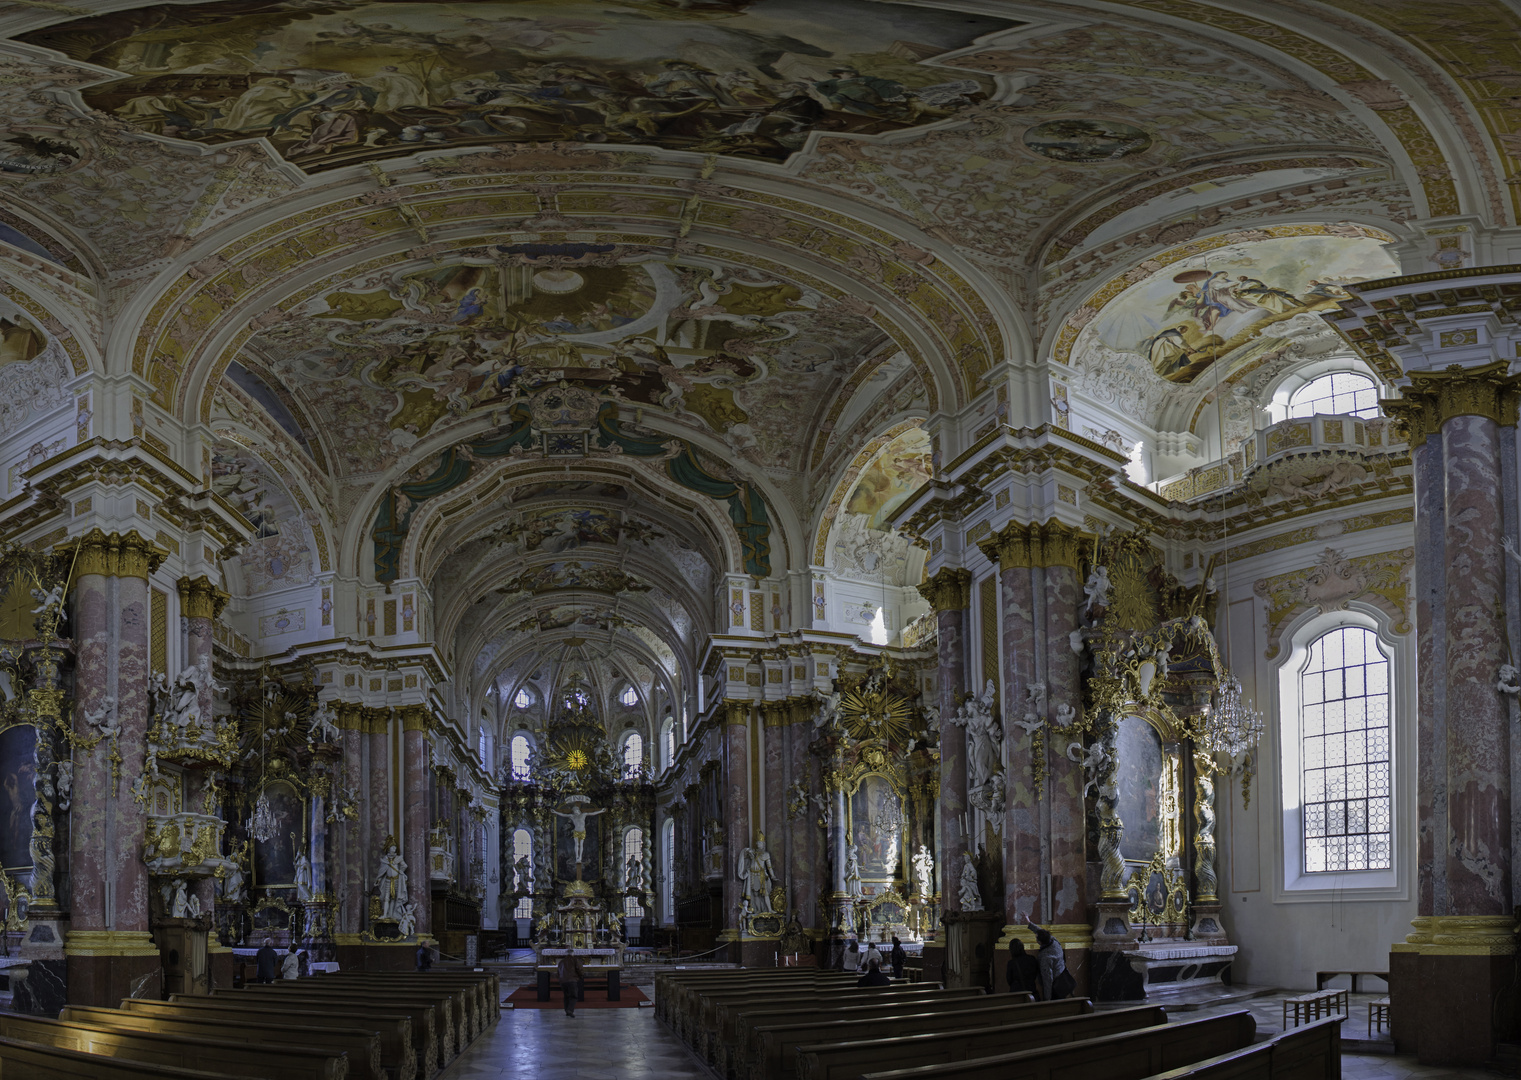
268 961
1023 971
424 958
898 958
874 976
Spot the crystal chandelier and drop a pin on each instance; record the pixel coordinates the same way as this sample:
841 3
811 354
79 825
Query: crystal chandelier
262 827
1231 726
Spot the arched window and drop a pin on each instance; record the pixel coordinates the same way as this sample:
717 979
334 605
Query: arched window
633 754
1337 392
520 752
668 740
633 856
1345 754
523 699
484 748
522 847
629 697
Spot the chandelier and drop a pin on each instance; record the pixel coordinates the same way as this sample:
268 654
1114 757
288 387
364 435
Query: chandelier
1231 726
263 825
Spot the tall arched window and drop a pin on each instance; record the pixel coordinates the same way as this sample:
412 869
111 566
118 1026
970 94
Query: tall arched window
485 749
633 754
522 847
520 751
633 856
668 741
1337 392
1345 754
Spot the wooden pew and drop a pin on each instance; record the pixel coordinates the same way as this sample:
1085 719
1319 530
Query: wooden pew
735 1022
289 1059
682 998
399 1048
447 1004
1312 1052
1132 1055
710 1007
479 990
771 1048
361 1044
426 1018
855 1057
24 1059
717 1025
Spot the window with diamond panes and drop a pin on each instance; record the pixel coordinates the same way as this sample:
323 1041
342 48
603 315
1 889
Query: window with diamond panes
520 751
1348 805
522 846
633 852
1340 392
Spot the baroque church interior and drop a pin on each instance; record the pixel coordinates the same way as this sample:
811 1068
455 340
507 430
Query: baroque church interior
740 479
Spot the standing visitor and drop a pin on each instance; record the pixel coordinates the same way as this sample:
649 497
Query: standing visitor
570 974
853 956
1056 982
1023 971
424 958
873 955
899 957
290 964
267 960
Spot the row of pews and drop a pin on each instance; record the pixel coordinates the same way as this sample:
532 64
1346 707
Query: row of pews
777 1024
341 1026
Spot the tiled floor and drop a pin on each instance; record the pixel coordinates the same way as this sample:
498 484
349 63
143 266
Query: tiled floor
598 1044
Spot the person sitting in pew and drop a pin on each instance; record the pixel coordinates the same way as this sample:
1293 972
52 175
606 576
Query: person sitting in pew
874 976
1023 971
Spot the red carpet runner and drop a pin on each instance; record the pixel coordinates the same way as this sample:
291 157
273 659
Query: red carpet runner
526 997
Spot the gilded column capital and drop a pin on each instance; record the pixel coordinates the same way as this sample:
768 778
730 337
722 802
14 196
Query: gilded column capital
200 599
950 589
1435 397
774 713
1013 546
376 721
1061 545
413 717
117 555
737 713
349 715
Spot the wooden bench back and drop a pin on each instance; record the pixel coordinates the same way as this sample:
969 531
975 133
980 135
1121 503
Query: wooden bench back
24 1059
1312 1052
361 1045
852 1058
1132 1055
427 1018
256 1059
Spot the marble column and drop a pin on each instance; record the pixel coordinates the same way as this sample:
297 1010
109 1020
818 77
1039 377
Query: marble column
379 801
773 748
1064 780
108 949
804 856
350 880
414 750
200 603
949 592
1017 550
1451 974
736 773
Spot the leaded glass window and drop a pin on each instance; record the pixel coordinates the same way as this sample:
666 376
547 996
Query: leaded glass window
633 855
522 846
1339 392
1344 728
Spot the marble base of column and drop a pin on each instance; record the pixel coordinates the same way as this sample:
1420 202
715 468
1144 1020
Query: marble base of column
43 988
106 966
1206 926
1111 924
1111 978
1455 1000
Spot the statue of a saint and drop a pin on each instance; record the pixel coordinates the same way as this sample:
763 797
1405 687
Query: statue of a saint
324 726
984 735
924 871
852 872
303 871
406 921
633 873
180 908
392 881
523 876
41 847
755 871
578 818
969 894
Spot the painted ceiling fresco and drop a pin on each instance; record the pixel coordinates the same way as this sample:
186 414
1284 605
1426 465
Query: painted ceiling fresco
383 360
279 554
1233 302
330 83
862 543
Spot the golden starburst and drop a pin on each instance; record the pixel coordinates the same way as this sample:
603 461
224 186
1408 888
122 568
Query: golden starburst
876 715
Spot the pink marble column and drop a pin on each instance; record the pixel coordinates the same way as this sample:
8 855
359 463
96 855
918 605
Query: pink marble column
949 593
92 771
1064 781
128 822
351 847
378 724
736 775
773 733
805 857
415 814
1430 585
1478 742
198 601
1022 829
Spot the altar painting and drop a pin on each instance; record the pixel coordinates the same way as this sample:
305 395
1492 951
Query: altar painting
1138 774
274 860
876 827
565 850
18 786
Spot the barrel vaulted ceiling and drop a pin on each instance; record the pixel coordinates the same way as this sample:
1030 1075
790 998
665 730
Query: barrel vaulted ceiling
355 237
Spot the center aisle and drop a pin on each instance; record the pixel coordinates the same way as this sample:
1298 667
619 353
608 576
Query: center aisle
616 1044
